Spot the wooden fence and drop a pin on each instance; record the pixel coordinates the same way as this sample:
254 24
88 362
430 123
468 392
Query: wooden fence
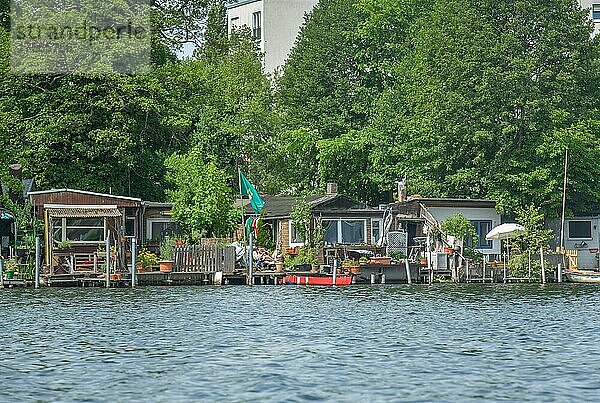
204 259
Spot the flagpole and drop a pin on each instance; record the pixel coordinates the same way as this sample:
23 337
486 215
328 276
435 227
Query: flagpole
562 219
242 203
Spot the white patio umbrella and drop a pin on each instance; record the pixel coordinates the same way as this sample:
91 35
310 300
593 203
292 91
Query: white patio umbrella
505 232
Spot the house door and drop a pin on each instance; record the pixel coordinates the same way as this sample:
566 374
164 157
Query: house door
7 234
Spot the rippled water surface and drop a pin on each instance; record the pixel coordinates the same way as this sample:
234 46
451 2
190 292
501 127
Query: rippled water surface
385 343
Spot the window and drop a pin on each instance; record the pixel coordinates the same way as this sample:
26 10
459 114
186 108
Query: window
344 231
295 237
235 23
580 230
596 12
256 25
130 229
481 228
353 231
330 231
376 228
78 230
158 228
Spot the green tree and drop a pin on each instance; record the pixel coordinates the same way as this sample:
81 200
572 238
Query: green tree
216 41
203 201
459 227
482 86
321 87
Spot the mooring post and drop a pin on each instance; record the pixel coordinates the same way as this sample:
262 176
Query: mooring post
133 262
372 278
335 267
382 278
529 263
428 257
542 265
251 258
407 266
1 272
107 262
38 257
504 263
559 274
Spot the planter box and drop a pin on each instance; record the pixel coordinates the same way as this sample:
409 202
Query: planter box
381 260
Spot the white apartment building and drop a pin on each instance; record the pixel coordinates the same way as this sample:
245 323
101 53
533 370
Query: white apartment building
275 23
594 7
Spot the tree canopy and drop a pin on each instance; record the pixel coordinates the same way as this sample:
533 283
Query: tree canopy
466 98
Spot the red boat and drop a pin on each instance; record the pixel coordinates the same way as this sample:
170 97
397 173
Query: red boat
342 280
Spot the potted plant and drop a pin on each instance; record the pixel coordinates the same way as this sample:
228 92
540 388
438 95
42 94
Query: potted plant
303 261
64 245
351 265
10 268
167 251
145 260
279 266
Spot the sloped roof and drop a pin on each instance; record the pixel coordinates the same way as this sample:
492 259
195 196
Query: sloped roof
237 3
282 206
84 192
452 202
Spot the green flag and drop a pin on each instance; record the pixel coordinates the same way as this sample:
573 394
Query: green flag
248 190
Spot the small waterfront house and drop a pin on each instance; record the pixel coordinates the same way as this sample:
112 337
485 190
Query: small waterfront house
581 234
83 220
8 224
411 216
345 221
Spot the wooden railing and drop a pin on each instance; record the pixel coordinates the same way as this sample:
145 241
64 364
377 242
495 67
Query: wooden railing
204 259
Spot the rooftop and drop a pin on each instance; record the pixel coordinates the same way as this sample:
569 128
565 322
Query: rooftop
238 3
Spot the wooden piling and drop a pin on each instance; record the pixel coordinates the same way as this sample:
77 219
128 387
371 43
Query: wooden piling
107 261
38 257
407 266
542 264
133 262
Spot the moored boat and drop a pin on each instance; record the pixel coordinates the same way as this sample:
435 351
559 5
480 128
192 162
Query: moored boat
583 276
322 280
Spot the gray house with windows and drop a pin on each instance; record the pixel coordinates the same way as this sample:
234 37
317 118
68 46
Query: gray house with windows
413 215
581 234
346 222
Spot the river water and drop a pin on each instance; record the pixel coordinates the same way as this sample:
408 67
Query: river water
383 343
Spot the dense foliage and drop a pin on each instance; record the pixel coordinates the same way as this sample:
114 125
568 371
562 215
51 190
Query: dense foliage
467 98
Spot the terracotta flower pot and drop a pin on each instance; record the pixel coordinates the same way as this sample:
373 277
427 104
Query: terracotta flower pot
355 269
166 266
315 268
279 267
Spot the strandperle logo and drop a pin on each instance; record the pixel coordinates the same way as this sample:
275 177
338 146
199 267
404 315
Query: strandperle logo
85 31
82 36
